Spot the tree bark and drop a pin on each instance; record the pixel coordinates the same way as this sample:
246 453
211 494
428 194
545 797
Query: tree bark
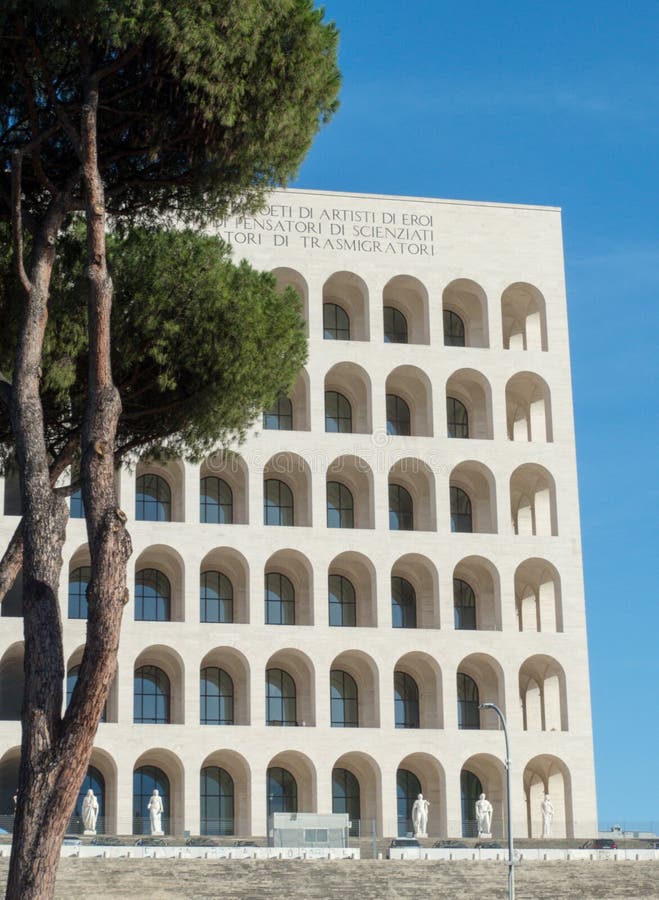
55 751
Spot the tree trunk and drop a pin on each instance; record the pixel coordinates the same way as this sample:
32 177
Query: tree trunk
55 751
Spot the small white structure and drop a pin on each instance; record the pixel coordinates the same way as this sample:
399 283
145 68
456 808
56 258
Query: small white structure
311 830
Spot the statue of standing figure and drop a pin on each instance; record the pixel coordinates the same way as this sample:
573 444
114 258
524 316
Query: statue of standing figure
483 809
420 816
156 810
547 808
90 812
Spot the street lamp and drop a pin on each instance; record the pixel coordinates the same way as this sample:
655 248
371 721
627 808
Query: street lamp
511 861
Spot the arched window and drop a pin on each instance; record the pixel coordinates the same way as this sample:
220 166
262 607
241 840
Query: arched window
153 499
282 791
470 790
71 679
338 412
151 696
280 416
95 782
215 501
152 596
464 606
454 329
336 324
277 503
346 797
342 602
460 511
401 516
279 600
403 603
457 418
76 506
343 700
406 701
215 697
78 581
280 697
399 420
216 795
215 597
340 506
146 779
408 788
395 326
468 702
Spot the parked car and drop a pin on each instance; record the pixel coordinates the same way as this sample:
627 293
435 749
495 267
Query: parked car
403 843
107 840
200 842
150 842
71 840
451 845
488 845
600 844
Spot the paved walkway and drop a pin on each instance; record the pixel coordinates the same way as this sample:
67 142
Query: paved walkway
98 879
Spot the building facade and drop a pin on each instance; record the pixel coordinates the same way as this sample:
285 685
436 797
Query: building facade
317 616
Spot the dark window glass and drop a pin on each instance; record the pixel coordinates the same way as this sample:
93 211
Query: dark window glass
215 597
460 511
454 329
280 417
280 697
340 509
78 581
216 793
457 419
342 602
343 700
470 790
151 696
468 701
146 779
336 324
153 499
400 509
71 680
406 701
215 501
152 596
346 797
277 503
279 600
395 326
464 606
95 782
77 509
398 416
216 697
403 603
408 789
282 791
338 413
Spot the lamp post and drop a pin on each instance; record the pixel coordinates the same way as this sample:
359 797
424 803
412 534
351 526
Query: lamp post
511 860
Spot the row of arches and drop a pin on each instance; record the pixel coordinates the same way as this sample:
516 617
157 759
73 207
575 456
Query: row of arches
410 407
356 686
358 786
406 311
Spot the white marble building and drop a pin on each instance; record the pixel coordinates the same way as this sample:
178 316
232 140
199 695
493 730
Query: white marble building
413 515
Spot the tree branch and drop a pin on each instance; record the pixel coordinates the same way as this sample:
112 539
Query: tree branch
17 219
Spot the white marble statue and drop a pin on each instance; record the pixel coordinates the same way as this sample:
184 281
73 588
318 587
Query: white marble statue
547 808
484 816
156 810
90 812
420 816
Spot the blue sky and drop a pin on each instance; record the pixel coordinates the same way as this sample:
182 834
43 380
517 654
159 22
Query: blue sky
550 103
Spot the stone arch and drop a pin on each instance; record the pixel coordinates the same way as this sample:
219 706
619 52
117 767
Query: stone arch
303 770
418 480
239 769
231 468
367 772
105 763
169 561
543 694
473 391
523 318
354 383
350 292
360 571
413 386
528 408
410 297
171 663
112 702
432 778
294 472
231 562
538 596
172 471
488 675
238 668
533 501
169 763
286 277
425 670
297 568
355 473
491 773
547 774
468 300
422 575
9 767
303 672
483 578
364 670
477 482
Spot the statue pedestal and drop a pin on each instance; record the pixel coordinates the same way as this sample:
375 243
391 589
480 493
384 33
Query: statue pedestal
89 833
484 835
157 833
